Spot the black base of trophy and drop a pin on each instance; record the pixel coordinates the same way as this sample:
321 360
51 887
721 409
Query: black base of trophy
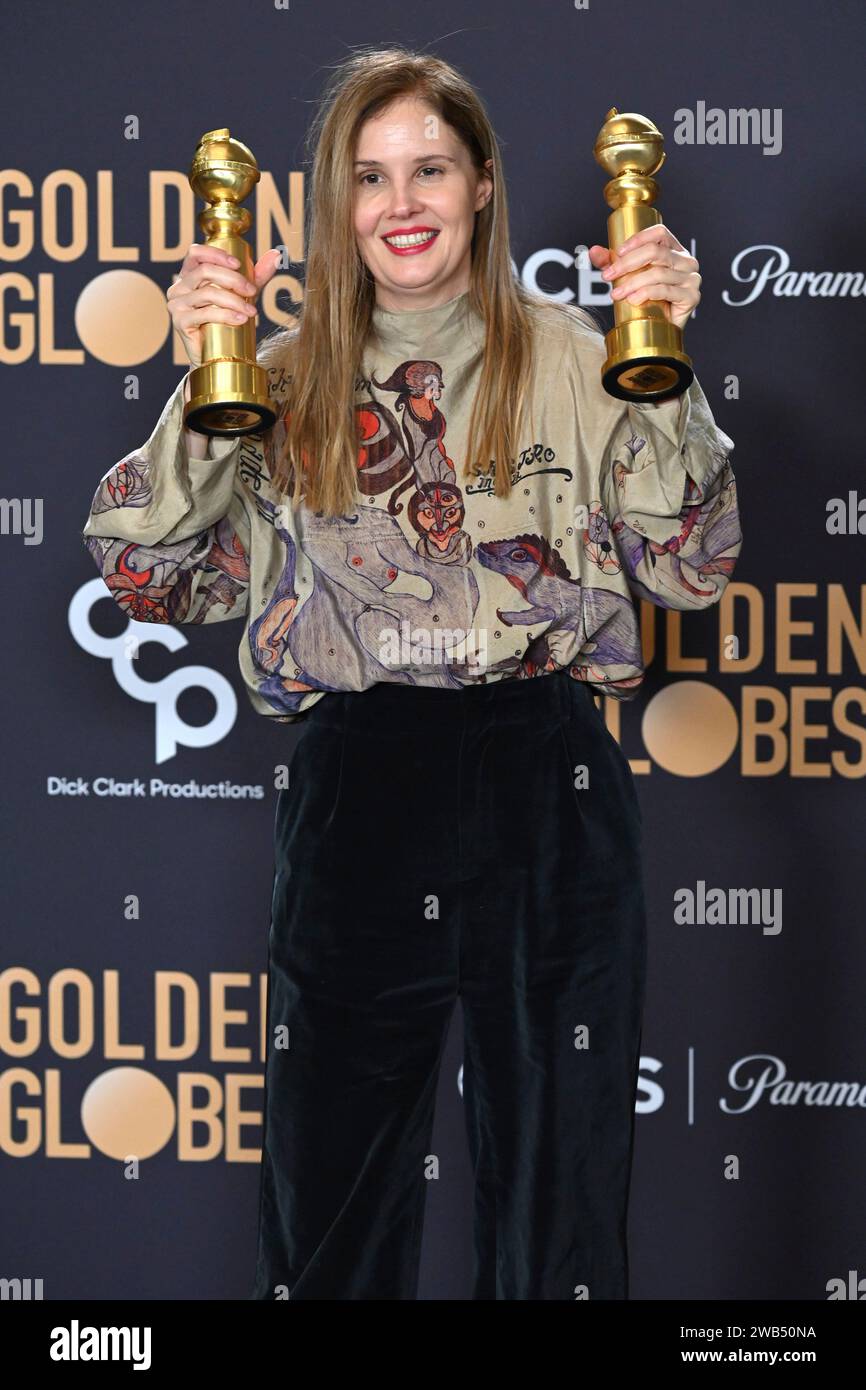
647 379
230 421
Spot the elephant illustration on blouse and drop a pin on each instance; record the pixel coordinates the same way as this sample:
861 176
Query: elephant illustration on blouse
365 570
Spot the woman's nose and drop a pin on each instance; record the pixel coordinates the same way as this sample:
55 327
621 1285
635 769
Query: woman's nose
404 200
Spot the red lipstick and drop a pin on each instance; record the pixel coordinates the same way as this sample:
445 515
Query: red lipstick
411 231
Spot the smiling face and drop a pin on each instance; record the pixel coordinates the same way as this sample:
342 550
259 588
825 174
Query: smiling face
415 199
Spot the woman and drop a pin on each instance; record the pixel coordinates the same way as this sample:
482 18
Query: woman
470 510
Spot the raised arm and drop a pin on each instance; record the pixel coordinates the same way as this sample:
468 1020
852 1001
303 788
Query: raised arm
170 533
667 484
168 526
670 497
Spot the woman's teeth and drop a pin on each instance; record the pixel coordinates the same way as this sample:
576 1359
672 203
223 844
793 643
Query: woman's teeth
414 239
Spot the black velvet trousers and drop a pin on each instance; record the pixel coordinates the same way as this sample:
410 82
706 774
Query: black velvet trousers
435 843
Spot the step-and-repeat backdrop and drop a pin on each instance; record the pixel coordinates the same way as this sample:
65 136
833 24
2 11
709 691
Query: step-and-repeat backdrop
138 809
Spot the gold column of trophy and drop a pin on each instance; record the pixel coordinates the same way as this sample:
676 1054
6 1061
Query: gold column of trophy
228 393
645 357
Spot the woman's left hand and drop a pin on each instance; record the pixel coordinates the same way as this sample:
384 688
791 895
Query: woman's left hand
653 265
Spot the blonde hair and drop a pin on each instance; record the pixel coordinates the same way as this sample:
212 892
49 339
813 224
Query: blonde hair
321 355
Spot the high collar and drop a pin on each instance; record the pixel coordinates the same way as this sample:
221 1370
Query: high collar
444 330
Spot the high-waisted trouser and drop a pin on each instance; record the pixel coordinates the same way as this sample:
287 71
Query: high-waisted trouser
482 842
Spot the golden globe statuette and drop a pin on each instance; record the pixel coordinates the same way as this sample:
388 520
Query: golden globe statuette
228 393
645 357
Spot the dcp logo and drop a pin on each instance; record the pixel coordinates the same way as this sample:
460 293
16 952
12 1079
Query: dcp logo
171 730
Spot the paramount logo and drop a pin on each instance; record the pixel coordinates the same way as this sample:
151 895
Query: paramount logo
761 1076
767 265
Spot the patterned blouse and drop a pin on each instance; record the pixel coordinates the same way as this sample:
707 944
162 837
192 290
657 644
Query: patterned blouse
432 579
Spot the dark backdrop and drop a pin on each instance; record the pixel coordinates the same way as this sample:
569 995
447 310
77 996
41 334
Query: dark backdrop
115 904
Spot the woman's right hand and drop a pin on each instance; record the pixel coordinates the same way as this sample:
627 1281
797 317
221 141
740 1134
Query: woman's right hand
211 288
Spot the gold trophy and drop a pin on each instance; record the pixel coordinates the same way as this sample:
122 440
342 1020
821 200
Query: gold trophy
228 393
645 357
